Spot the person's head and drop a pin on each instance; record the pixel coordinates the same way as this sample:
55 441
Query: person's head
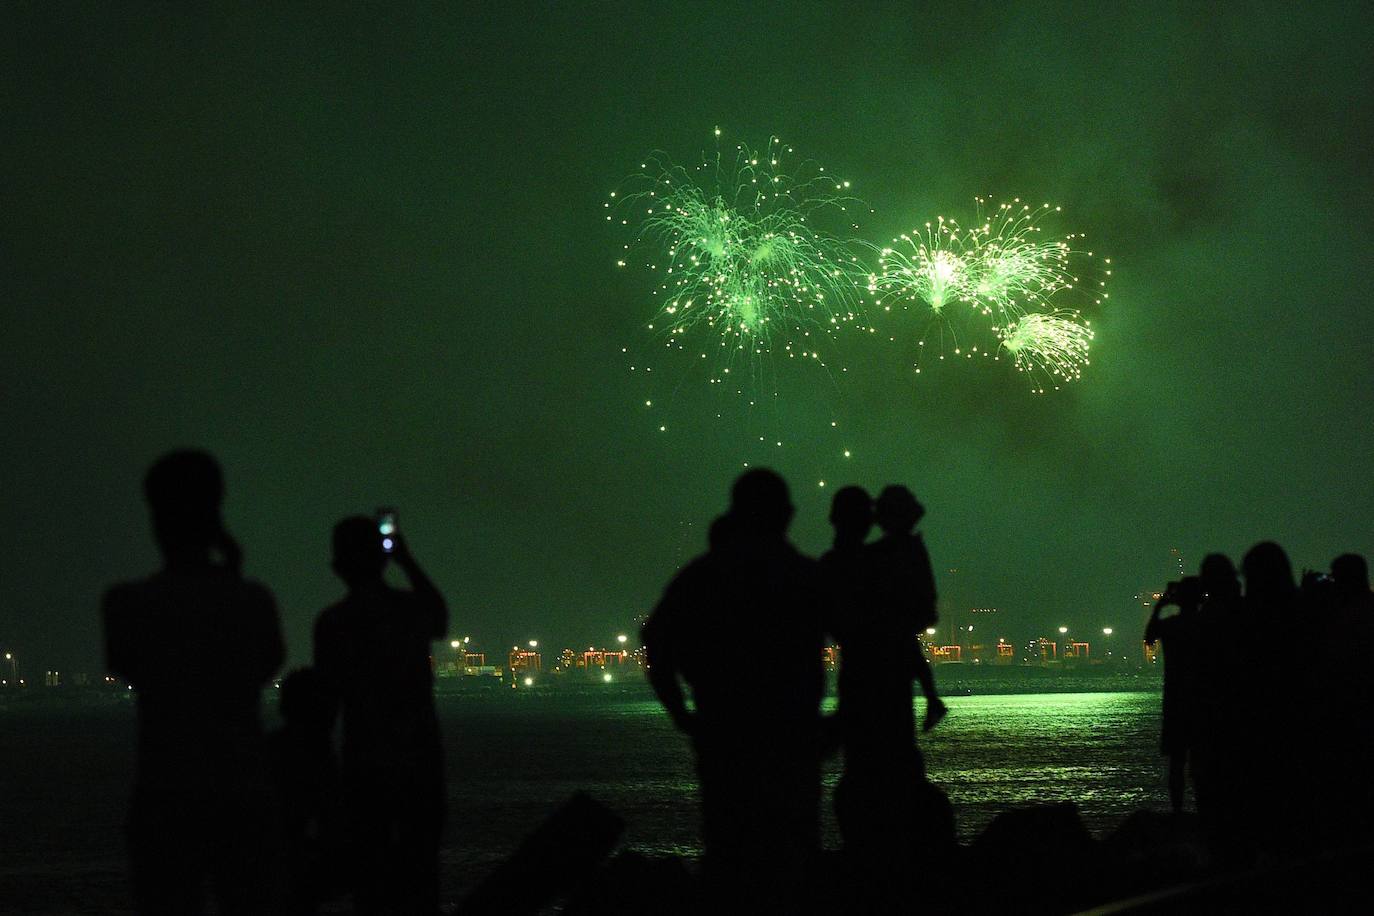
1268 574
1350 573
305 702
897 509
760 505
185 490
1218 575
851 513
358 554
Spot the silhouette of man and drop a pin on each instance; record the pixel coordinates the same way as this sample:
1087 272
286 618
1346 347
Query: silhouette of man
372 652
1353 602
1179 715
757 738
888 814
901 595
1269 730
1223 641
198 642
845 569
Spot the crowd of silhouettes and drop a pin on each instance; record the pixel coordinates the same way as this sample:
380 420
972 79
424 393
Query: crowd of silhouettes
1278 749
268 824
1278 742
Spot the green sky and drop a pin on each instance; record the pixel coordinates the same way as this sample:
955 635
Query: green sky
361 257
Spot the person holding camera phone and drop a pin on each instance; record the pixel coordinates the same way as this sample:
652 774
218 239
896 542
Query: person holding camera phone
372 652
1179 635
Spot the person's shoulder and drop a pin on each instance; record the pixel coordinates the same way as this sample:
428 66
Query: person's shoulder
332 616
703 566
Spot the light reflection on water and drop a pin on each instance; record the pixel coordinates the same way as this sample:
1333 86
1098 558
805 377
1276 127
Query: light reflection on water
511 762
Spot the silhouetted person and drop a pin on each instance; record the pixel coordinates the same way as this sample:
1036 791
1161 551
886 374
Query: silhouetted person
372 651
305 774
756 738
1273 754
198 642
1346 700
1179 713
902 587
1352 605
888 814
1226 643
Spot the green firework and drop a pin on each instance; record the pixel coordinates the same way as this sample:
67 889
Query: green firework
935 267
738 251
1051 348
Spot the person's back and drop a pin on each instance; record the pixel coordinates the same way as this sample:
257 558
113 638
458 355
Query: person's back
197 642
374 646
198 645
759 594
844 565
756 732
372 653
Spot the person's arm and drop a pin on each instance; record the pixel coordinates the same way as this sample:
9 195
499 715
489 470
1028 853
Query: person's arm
428 598
663 670
1152 629
924 675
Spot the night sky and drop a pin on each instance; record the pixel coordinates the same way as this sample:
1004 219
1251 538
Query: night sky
363 259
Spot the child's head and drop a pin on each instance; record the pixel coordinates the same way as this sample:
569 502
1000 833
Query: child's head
898 510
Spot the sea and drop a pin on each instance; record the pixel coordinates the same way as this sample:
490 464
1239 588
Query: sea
514 755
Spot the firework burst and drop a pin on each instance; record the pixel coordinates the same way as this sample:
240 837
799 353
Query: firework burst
1052 348
935 267
737 249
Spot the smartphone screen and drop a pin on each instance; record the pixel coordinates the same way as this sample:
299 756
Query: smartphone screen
386 527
